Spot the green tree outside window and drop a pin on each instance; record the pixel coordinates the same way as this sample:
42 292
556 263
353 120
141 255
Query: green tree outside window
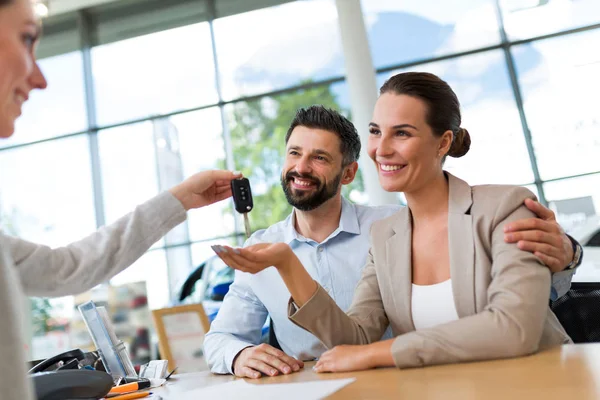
258 130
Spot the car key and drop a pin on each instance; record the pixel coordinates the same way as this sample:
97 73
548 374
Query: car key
242 200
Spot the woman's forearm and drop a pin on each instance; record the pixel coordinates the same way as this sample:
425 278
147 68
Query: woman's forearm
298 281
380 354
356 358
96 258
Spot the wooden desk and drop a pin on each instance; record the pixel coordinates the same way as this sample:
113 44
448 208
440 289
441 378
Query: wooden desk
569 372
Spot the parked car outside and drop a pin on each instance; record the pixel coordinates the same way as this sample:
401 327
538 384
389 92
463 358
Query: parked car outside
588 235
208 284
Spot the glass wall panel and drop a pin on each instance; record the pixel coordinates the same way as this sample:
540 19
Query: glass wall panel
46 191
530 18
576 202
201 148
560 86
403 31
152 269
46 197
154 74
128 161
575 199
58 110
306 47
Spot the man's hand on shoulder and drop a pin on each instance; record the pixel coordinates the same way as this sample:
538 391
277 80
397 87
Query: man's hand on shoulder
264 359
542 236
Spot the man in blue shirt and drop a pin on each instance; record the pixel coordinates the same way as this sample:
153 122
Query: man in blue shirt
330 236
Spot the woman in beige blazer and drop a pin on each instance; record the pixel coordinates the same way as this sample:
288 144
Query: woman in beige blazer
439 271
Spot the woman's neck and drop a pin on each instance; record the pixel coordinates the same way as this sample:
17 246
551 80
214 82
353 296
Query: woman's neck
429 201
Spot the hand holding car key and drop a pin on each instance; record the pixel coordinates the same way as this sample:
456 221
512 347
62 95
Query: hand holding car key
242 200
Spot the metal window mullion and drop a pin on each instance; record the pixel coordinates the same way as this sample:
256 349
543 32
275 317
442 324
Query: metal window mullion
227 142
512 72
85 35
184 111
582 175
238 235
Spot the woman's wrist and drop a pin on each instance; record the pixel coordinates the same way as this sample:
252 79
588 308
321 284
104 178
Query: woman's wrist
379 354
181 194
284 265
298 281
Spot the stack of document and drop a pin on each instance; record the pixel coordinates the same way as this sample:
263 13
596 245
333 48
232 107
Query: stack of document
289 391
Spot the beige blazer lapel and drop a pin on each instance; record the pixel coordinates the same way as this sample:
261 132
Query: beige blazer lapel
399 262
462 246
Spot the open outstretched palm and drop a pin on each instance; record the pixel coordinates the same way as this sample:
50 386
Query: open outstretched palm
255 258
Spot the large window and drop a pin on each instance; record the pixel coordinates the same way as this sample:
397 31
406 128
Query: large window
585 188
403 31
160 117
128 161
58 110
152 269
202 148
576 202
46 197
523 19
559 81
46 191
278 47
154 74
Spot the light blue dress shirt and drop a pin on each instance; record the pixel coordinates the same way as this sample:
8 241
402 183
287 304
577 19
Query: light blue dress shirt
336 264
561 283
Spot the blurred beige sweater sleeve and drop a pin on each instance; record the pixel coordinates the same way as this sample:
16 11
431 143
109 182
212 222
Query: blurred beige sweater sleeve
36 270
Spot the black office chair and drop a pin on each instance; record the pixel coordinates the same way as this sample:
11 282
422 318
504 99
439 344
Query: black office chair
579 312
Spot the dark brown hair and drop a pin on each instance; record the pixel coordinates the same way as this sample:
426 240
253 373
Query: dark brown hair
443 108
319 117
5 2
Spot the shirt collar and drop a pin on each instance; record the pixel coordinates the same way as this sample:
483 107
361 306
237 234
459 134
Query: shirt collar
348 223
349 219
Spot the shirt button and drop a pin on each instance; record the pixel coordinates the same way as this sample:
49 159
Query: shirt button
320 249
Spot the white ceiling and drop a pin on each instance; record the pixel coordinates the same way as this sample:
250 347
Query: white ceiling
56 7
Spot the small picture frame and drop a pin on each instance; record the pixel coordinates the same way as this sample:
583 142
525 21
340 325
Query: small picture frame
181 332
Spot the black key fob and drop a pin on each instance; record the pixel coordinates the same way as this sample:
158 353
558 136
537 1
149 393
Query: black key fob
242 195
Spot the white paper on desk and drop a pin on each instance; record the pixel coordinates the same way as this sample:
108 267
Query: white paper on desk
154 383
311 390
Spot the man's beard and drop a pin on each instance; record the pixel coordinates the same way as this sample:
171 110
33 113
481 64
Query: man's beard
307 201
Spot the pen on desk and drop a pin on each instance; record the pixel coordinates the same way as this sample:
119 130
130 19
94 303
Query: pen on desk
130 387
131 396
171 373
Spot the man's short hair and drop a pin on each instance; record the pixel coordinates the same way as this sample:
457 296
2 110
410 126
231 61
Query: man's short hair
319 117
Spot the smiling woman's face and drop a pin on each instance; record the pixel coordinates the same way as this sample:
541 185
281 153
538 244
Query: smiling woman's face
402 144
19 72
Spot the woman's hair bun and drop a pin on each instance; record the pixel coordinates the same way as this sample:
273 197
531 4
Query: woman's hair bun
461 143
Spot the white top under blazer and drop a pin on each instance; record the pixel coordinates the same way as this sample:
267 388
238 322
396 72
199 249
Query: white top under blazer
433 305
